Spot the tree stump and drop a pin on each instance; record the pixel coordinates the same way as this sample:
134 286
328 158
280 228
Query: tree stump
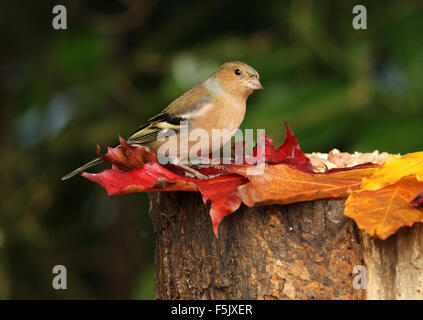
395 265
299 251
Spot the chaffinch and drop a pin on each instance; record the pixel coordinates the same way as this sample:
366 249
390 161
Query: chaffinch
217 103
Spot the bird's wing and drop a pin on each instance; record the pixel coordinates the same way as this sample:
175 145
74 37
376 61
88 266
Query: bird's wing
149 131
182 110
190 102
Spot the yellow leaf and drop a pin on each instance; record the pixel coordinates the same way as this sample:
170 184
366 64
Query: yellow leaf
394 169
382 212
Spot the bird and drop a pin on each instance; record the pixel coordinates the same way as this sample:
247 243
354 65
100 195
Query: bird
219 102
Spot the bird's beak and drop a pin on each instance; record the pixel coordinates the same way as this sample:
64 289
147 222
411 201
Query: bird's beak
254 83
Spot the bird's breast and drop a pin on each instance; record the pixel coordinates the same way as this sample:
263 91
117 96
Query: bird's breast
213 127
224 115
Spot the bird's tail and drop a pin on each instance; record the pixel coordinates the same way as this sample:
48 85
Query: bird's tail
83 168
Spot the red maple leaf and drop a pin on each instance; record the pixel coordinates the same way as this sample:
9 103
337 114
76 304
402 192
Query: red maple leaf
147 175
288 152
136 170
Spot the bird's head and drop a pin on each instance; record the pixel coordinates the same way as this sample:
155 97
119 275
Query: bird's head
238 79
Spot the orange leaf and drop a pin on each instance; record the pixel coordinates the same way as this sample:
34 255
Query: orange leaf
281 184
394 169
382 212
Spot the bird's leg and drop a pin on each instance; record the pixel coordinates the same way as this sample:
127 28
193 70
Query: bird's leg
196 174
204 162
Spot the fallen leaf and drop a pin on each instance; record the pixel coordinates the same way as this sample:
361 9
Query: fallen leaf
288 152
150 176
394 169
126 157
136 170
282 184
287 177
382 212
222 192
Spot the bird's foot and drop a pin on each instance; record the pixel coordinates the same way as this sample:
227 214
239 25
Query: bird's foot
193 172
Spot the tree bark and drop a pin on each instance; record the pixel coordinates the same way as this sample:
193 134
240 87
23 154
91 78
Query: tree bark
300 251
395 265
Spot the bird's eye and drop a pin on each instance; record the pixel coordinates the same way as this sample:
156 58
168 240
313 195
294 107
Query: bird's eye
238 72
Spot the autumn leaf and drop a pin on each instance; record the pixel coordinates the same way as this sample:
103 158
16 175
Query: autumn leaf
126 157
222 192
282 184
287 177
136 170
150 176
382 212
288 152
394 169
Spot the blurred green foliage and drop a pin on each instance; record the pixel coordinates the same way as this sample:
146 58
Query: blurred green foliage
121 61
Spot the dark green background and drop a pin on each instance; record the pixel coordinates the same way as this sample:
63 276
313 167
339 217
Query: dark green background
119 62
